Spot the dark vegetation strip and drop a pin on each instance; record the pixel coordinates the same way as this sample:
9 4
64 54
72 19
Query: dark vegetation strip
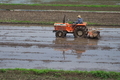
68 5
59 74
26 22
48 23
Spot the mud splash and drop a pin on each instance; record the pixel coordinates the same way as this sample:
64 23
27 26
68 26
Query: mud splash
37 47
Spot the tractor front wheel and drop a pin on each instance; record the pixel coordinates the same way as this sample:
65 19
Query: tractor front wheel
61 34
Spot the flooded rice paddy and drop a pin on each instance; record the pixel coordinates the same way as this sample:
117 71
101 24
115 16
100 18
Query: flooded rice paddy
23 46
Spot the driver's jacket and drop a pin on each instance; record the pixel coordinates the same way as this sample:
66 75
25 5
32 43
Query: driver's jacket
79 21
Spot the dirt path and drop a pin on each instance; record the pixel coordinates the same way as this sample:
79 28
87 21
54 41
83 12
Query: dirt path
25 46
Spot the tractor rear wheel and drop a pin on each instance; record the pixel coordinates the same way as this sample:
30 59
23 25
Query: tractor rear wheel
80 32
61 34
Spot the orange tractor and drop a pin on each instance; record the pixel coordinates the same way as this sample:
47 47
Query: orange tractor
78 30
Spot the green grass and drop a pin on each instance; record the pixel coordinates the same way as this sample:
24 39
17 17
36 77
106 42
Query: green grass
69 5
46 23
50 74
89 23
16 21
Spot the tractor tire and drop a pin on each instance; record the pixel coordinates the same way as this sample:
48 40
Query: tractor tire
80 31
60 34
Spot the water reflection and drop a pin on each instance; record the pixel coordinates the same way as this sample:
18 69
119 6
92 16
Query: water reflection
75 46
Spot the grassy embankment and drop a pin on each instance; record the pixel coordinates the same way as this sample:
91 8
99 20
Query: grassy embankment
42 23
70 5
46 23
26 22
49 74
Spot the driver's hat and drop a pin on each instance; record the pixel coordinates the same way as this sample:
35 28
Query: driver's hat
79 16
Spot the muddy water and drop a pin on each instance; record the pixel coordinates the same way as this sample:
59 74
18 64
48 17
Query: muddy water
23 46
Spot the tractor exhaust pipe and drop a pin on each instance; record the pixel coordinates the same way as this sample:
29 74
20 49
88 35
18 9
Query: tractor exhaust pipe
64 19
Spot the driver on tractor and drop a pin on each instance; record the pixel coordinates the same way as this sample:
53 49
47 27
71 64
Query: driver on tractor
79 21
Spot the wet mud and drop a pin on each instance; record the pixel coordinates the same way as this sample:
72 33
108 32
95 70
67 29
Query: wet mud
35 46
